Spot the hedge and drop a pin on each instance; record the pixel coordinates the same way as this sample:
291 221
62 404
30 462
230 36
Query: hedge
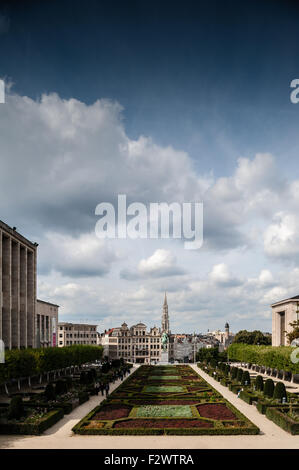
36 429
277 357
283 420
29 362
248 397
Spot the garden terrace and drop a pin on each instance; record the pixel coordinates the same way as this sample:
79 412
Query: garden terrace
165 400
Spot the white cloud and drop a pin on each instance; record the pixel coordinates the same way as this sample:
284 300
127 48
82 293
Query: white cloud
281 238
82 256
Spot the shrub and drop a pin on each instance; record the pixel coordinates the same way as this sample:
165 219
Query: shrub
239 375
227 369
259 383
245 378
16 408
234 372
213 363
69 382
277 357
60 387
279 391
50 393
269 388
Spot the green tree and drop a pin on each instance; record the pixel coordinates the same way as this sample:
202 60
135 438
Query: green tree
252 337
294 334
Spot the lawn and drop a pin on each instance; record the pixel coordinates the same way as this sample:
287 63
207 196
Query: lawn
142 405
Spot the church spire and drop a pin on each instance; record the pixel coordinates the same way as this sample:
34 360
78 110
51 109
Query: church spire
165 317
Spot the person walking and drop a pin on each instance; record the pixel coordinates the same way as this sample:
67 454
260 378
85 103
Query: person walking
102 388
107 389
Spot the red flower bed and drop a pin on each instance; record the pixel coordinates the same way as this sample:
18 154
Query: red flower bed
215 411
113 412
163 423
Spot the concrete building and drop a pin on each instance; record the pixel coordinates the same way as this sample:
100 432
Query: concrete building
17 288
76 333
283 313
46 324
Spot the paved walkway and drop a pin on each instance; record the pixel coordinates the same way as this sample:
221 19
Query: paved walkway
60 435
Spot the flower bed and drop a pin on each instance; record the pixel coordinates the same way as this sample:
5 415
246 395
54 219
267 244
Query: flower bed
33 422
164 423
113 412
216 411
164 411
139 407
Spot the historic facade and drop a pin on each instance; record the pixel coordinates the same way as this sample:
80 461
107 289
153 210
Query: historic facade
17 288
283 313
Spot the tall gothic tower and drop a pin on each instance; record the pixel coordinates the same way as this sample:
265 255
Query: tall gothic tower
165 317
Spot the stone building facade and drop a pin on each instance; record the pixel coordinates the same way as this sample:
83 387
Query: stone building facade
134 344
283 313
76 333
46 324
17 288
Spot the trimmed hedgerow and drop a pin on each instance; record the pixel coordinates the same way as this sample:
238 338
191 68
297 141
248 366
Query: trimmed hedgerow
37 428
248 396
259 383
245 378
279 416
239 375
277 357
269 388
234 372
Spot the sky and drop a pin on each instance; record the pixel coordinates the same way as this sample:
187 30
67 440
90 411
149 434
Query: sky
164 102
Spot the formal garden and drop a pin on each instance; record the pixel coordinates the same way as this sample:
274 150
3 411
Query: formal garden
269 395
157 400
38 387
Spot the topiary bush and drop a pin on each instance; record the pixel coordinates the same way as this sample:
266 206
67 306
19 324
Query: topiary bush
50 393
60 387
280 391
234 372
239 375
213 363
259 383
16 408
245 378
269 388
227 369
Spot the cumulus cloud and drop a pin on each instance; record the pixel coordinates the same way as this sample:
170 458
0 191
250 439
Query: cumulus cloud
82 256
281 238
220 275
162 263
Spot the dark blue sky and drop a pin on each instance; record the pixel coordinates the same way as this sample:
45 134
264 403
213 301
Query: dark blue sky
211 78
